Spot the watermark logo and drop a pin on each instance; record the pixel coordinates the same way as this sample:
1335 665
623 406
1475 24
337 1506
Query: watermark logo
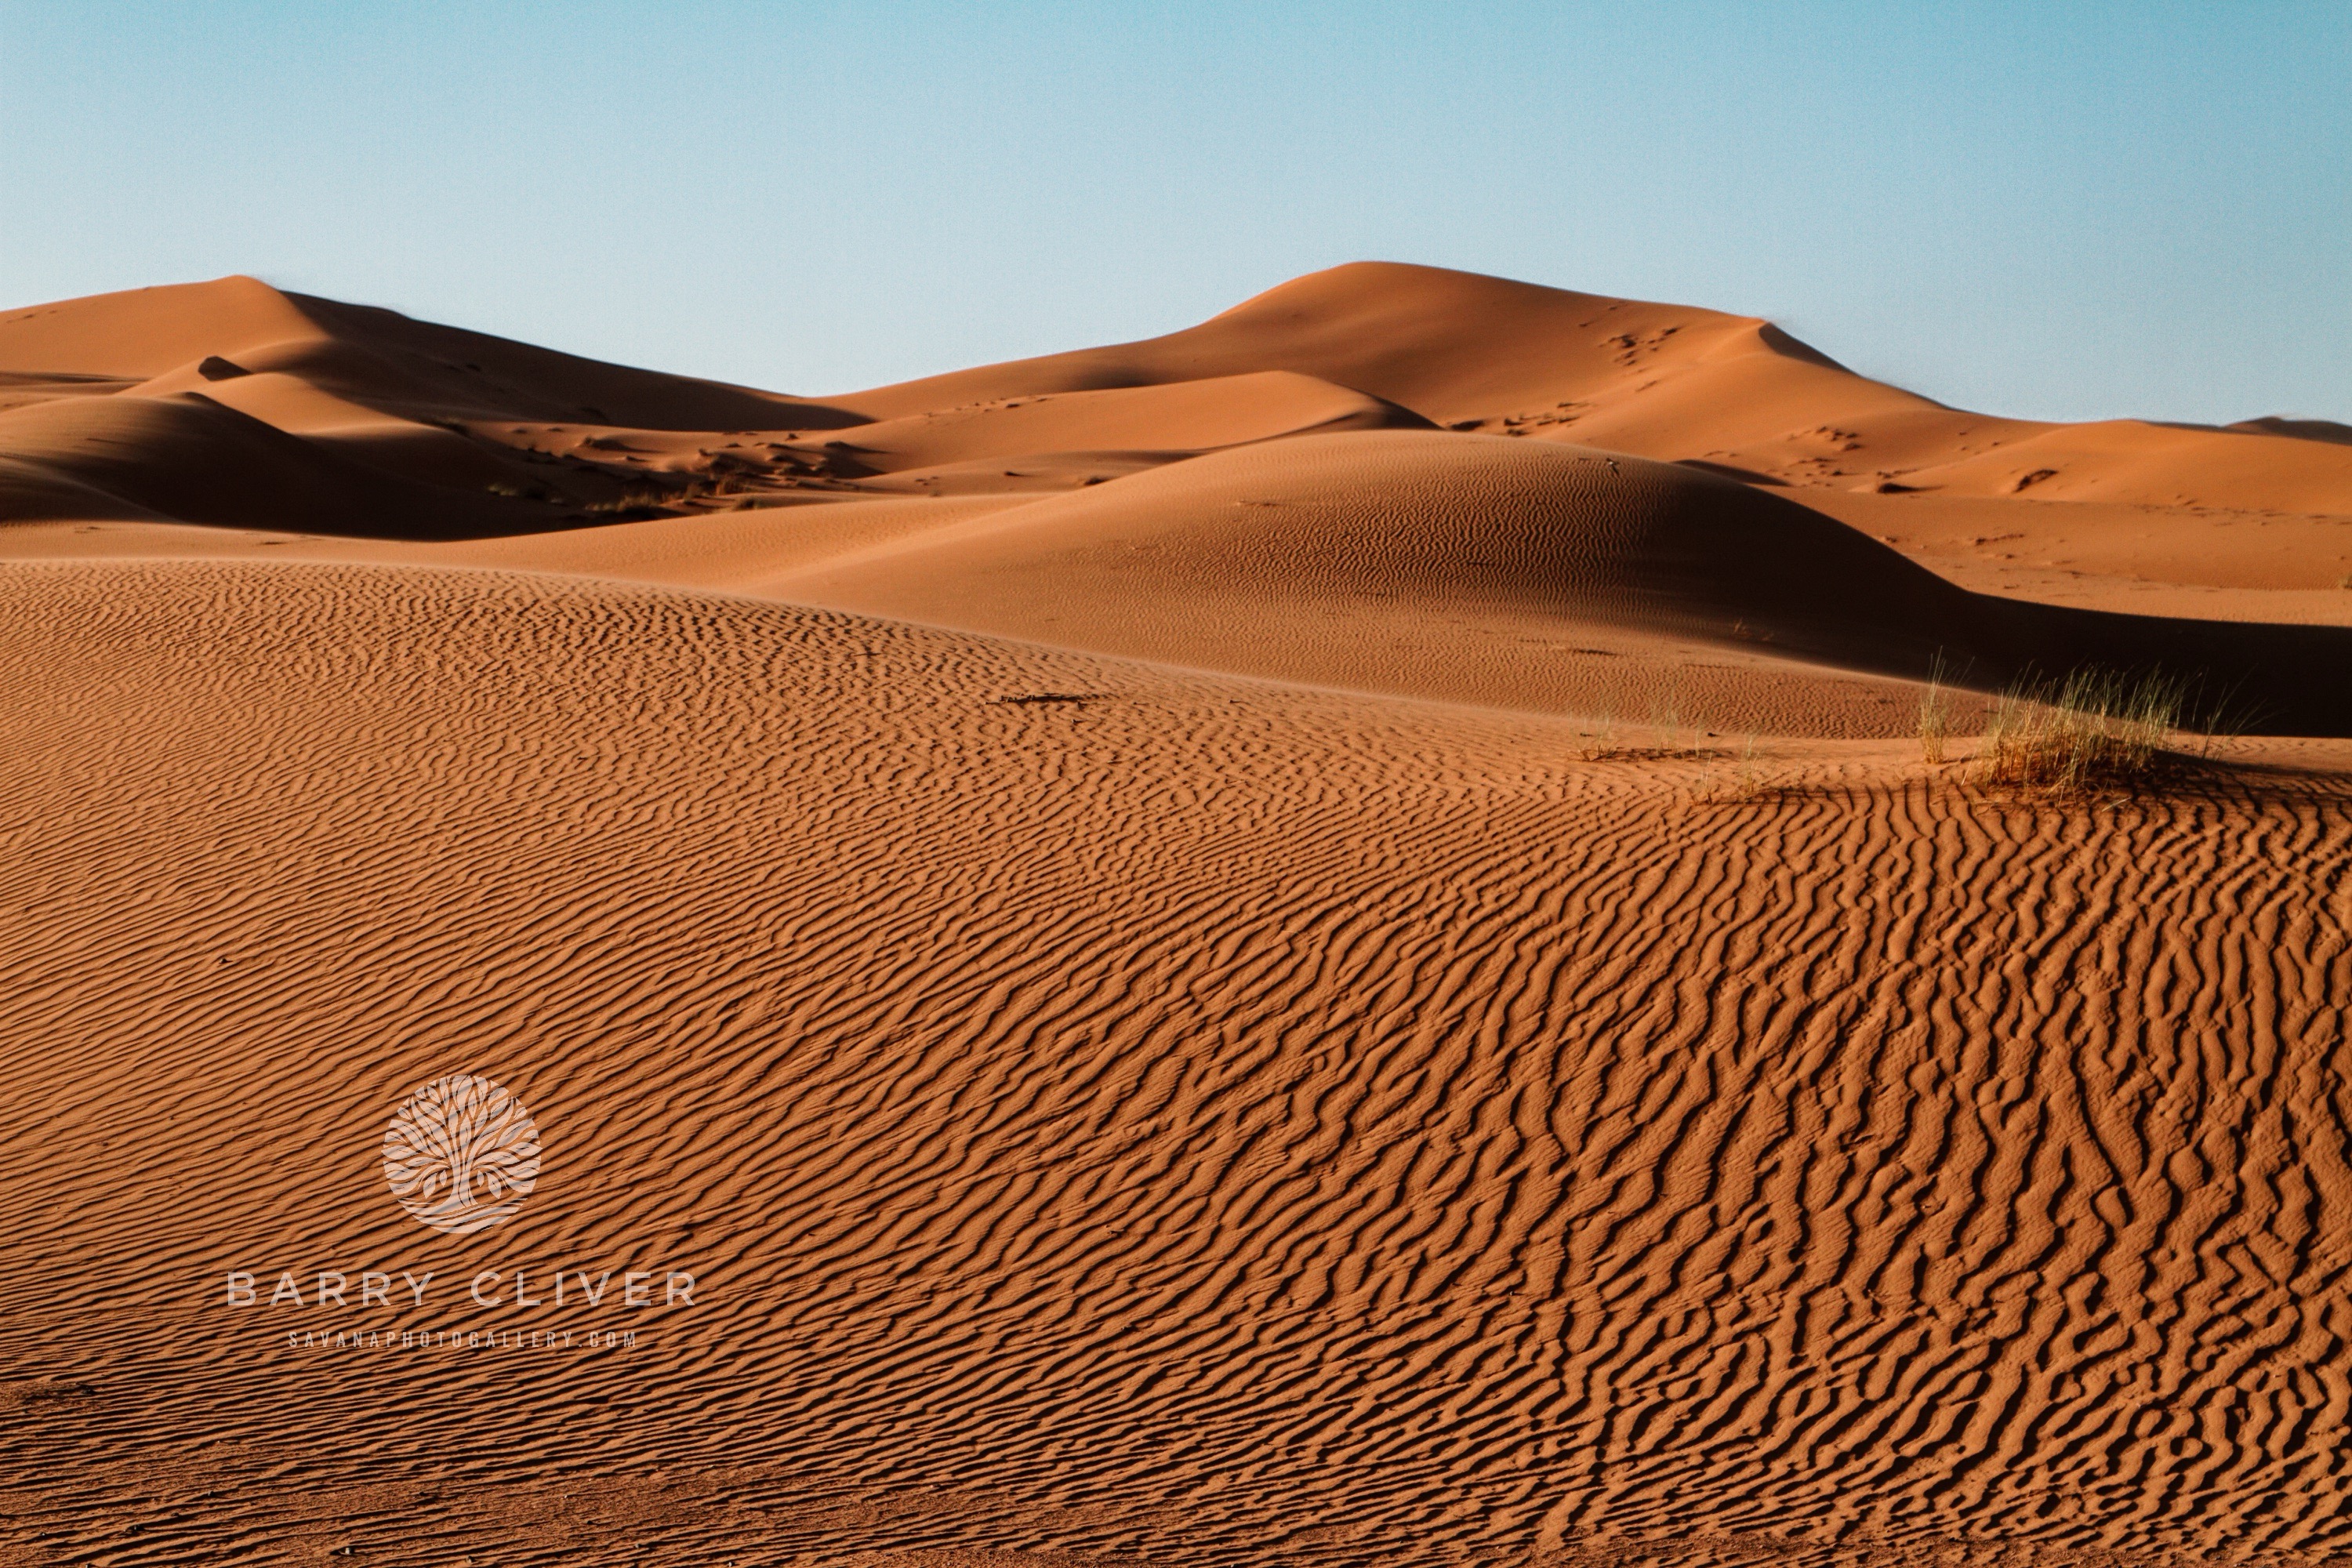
461 1154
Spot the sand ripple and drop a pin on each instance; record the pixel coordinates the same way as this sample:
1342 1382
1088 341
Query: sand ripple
1191 1122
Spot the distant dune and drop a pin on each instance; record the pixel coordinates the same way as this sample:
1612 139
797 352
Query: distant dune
1329 940
230 405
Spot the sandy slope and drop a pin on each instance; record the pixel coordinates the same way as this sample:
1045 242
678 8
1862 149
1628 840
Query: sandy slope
229 404
1190 940
1185 1120
1322 557
1663 380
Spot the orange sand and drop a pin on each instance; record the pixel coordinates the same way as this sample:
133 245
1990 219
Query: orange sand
1318 941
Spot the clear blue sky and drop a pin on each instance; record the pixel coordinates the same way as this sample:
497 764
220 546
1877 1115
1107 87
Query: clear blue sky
2060 210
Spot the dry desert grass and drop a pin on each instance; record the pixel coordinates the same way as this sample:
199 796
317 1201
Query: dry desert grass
2093 730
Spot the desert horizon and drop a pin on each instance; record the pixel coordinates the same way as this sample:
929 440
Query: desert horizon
1679 476
1473 908
1434 921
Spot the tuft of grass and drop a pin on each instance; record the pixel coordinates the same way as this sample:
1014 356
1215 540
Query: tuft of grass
2093 730
1598 743
631 501
1746 781
1665 722
1671 730
1750 780
1935 714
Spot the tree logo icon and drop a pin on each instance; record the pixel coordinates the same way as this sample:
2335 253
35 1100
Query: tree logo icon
461 1154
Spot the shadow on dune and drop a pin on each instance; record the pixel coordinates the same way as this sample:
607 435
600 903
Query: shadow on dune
1303 531
1750 567
187 458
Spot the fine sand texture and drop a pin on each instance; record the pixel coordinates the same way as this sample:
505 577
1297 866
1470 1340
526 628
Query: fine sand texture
1327 939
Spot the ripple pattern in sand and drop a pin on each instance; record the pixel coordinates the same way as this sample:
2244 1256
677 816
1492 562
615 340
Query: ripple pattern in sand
1189 1120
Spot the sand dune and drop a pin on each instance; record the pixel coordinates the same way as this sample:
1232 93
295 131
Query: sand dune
2128 460
1323 941
1454 346
1290 559
145 332
1660 381
364 384
1186 1121
373 356
192 459
360 423
2305 429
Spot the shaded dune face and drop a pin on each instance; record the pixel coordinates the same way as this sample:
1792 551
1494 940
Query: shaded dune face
190 458
1539 530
